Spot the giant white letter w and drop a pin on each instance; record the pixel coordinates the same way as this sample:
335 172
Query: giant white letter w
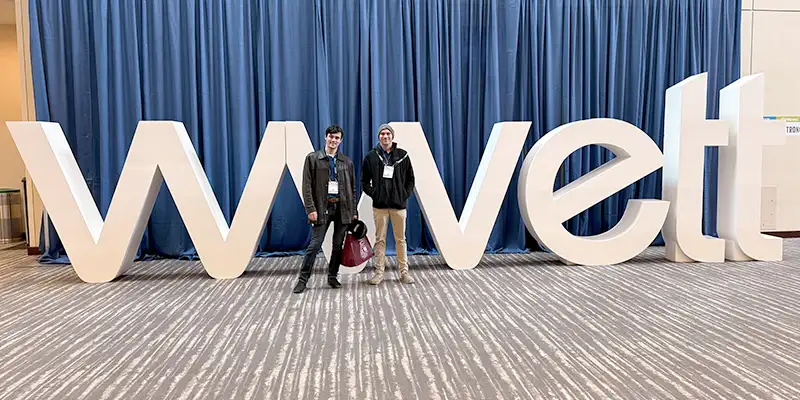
160 151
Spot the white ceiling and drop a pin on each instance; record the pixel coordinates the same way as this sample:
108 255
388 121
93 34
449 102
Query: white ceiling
7 15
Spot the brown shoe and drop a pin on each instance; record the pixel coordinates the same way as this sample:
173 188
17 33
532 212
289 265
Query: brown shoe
406 278
377 278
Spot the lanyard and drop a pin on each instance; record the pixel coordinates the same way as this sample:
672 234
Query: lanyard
335 169
386 160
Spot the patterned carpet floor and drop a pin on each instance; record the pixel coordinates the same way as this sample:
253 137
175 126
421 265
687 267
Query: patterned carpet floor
517 326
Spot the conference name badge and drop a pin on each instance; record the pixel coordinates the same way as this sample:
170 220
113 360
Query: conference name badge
388 172
333 187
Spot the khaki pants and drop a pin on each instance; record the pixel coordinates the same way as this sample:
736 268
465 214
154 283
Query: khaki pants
398 218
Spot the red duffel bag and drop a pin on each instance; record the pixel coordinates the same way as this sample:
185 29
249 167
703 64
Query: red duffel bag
357 249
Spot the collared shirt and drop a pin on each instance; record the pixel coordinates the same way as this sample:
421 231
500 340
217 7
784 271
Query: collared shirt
333 167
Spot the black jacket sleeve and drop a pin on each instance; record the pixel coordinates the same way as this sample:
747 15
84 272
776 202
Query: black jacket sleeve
308 193
366 177
409 187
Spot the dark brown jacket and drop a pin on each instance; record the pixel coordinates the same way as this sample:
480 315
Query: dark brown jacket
316 173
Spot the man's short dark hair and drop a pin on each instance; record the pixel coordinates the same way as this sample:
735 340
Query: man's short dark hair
334 129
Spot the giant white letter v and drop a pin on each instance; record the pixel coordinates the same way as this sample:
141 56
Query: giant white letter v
463 242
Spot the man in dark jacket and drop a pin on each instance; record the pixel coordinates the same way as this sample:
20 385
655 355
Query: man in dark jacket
329 197
387 177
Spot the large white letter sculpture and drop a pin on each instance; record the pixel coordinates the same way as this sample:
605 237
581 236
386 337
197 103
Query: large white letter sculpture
544 211
686 133
160 151
740 165
462 242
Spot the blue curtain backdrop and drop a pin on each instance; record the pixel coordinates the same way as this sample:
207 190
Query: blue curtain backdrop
225 68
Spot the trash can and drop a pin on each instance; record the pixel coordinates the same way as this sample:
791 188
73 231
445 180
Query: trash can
10 215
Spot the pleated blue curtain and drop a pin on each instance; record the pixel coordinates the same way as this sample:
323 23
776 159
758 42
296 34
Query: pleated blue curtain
226 68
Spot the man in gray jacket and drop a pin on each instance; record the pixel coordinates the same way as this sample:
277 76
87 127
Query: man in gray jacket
329 197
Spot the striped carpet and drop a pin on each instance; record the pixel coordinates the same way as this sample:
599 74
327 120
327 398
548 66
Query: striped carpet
518 326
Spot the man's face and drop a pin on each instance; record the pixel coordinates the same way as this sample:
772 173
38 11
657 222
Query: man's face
385 137
332 140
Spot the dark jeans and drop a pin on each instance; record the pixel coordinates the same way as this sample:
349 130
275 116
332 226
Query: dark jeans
317 236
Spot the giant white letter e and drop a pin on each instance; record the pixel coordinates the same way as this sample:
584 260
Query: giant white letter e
544 211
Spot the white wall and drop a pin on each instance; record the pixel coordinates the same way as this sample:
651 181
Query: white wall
15 12
11 167
770 29
12 170
7 12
